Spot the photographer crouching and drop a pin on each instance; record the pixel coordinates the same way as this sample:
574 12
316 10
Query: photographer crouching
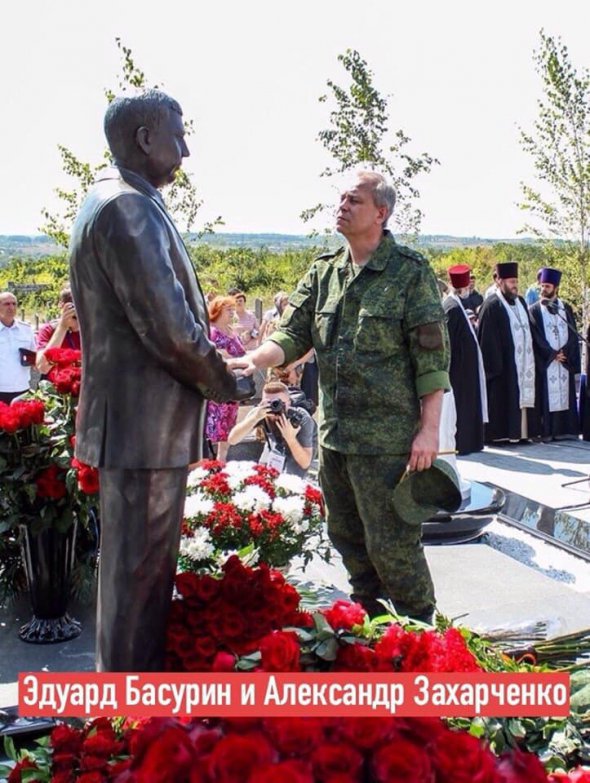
288 430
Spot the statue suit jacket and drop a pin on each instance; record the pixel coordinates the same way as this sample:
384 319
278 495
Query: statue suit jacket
147 361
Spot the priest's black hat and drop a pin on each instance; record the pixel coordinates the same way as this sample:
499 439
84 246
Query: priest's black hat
507 269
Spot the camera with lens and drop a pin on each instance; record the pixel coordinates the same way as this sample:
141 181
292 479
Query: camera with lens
295 416
276 406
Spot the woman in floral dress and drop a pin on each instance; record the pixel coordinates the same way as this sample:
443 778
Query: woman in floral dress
221 417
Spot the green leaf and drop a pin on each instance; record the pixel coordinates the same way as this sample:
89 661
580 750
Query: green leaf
327 649
9 748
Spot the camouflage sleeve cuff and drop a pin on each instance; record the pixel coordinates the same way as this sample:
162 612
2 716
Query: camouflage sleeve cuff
288 345
432 381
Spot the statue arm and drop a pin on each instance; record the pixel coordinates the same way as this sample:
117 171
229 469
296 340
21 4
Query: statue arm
133 248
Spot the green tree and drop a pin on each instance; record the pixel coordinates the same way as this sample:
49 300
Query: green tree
181 196
359 136
559 145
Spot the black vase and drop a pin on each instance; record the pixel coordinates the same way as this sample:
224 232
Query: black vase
48 558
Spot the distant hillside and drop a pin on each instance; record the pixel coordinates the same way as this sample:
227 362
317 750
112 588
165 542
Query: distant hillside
12 246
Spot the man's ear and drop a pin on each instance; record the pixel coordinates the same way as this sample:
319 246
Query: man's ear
143 140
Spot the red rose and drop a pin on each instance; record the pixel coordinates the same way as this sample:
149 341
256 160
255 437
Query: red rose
15 773
64 760
100 744
186 584
207 588
394 646
354 658
63 357
336 758
65 739
579 775
90 777
50 483
280 652
295 736
520 767
422 731
168 758
283 772
91 762
223 662
457 757
87 477
344 614
301 619
290 599
29 412
66 776
366 733
236 756
401 761
9 418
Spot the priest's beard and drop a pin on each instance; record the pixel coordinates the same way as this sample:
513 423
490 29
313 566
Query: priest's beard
510 297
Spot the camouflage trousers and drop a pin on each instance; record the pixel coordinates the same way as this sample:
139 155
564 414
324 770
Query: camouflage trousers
383 555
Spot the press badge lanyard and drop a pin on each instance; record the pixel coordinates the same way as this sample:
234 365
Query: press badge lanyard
271 454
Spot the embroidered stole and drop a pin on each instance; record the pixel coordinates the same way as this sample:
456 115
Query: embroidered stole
524 358
556 334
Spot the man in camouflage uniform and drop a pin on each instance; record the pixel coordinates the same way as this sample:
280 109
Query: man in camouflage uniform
373 315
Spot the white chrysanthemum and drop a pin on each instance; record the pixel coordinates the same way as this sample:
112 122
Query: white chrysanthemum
235 481
198 546
239 467
197 505
196 476
252 498
301 527
290 507
291 483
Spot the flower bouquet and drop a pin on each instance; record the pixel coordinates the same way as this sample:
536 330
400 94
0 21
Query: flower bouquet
43 484
274 750
249 508
269 632
47 497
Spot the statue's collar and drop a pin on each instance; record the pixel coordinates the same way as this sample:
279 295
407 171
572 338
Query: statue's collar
135 180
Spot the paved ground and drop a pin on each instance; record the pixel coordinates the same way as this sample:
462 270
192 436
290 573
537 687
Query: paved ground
484 587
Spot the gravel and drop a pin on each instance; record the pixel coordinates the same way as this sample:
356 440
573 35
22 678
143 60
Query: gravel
544 557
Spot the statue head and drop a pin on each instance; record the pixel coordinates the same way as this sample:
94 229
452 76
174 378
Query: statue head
145 134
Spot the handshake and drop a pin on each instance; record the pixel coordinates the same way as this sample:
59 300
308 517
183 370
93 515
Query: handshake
245 386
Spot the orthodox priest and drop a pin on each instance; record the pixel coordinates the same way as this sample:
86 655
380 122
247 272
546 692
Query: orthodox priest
466 370
558 360
505 338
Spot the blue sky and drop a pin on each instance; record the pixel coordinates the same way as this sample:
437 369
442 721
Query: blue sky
460 75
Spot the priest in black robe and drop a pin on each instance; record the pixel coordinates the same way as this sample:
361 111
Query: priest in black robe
506 342
558 360
466 369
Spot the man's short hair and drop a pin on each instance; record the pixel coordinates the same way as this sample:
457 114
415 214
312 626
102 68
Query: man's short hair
126 114
275 387
383 193
65 295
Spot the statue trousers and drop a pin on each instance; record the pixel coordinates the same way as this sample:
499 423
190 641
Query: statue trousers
141 514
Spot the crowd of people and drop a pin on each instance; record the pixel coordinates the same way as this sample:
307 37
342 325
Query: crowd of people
513 368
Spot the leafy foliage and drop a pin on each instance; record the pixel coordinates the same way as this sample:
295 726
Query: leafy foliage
358 136
559 145
181 196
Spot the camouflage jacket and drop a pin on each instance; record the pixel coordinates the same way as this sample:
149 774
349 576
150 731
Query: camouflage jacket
381 344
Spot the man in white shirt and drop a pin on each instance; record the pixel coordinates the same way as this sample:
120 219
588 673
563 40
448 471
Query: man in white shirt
14 335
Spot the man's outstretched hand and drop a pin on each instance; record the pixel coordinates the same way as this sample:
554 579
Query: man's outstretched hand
243 364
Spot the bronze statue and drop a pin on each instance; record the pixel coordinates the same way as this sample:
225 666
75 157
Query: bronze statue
148 367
